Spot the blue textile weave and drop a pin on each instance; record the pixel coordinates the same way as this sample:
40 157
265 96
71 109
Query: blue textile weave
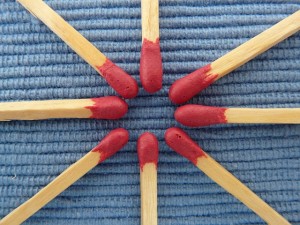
36 65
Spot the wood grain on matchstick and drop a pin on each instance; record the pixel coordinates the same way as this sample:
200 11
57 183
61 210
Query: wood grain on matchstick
151 61
180 142
185 88
148 156
117 78
200 115
110 107
112 143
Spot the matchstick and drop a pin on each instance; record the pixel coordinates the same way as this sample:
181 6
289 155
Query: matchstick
148 157
200 115
185 88
151 70
112 143
110 107
180 142
117 78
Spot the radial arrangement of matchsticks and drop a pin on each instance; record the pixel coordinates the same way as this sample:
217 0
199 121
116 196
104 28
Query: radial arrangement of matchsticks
151 74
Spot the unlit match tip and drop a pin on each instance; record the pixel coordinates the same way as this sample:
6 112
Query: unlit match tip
112 143
111 107
151 70
181 143
187 87
147 147
200 115
119 80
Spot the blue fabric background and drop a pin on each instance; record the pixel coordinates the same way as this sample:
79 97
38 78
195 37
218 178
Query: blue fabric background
35 65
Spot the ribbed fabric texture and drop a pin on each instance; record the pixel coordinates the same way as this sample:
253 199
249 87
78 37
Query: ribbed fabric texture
35 64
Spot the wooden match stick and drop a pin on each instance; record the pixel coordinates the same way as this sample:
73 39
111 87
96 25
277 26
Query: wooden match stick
148 157
110 107
151 62
117 78
185 88
200 115
112 143
180 142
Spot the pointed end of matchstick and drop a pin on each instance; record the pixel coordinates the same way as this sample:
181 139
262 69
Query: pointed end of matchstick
200 115
151 70
110 107
112 143
119 80
187 87
181 143
147 147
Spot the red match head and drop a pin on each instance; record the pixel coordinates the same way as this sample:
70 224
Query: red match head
147 147
200 115
187 87
181 143
111 143
151 70
110 107
119 80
